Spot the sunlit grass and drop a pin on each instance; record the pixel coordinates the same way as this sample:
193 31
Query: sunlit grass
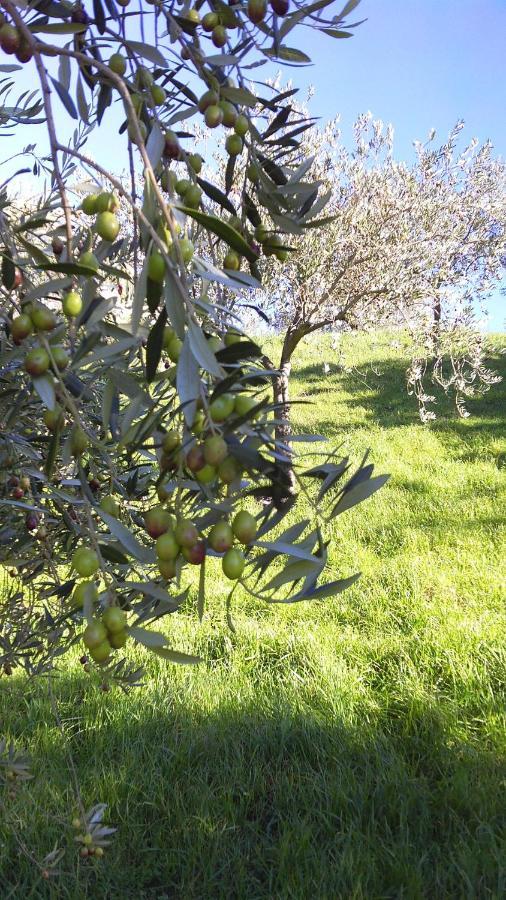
351 748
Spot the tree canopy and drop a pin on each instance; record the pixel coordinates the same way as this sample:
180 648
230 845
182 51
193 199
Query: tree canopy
417 245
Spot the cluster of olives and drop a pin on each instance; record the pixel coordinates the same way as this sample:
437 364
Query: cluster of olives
217 22
103 635
262 240
12 42
39 319
109 632
180 539
189 193
146 93
183 247
88 847
272 243
103 206
217 112
18 487
36 318
207 459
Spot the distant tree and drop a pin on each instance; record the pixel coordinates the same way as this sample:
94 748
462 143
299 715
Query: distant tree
418 245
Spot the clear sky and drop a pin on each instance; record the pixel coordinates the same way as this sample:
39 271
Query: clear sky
418 64
415 63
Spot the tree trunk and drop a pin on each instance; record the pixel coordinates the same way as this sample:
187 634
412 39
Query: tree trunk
283 430
436 324
280 388
282 396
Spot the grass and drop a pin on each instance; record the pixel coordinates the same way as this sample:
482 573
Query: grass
353 748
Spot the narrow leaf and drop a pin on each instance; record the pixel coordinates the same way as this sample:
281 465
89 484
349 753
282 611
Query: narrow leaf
358 493
217 196
223 230
176 656
65 98
44 385
125 537
188 381
148 51
202 352
154 346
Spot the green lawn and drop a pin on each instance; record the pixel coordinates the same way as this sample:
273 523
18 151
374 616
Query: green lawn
353 748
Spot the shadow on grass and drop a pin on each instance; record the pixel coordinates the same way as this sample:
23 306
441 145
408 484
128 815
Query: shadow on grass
245 802
384 399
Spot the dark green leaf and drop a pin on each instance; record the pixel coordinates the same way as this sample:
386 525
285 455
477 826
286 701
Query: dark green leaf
273 171
279 120
325 590
99 14
67 268
104 100
113 553
82 106
242 350
153 294
358 493
65 98
229 174
52 454
154 346
218 196
347 9
251 211
223 230
8 272
57 28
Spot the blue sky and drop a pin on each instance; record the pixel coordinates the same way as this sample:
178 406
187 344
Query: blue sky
418 64
415 63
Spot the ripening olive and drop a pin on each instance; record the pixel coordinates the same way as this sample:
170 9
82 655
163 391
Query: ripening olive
233 564
114 619
85 562
94 634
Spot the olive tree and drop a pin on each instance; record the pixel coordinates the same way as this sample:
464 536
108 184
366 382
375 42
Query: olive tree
131 450
417 245
137 433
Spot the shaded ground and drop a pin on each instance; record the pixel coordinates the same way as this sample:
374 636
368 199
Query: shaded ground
353 748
